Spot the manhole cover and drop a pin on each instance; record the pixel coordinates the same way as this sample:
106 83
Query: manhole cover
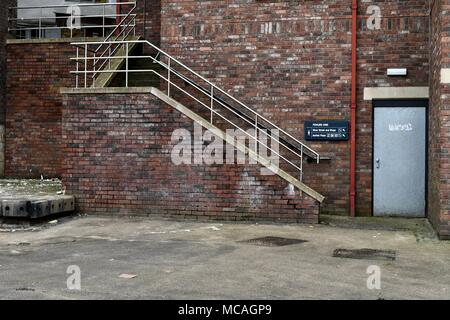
273 241
369 254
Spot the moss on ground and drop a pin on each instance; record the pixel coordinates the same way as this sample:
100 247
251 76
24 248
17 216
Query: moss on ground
28 187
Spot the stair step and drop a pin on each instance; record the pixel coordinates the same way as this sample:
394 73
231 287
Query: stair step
104 79
138 79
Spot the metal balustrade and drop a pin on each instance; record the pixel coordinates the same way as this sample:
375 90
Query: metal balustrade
94 59
67 20
110 45
174 73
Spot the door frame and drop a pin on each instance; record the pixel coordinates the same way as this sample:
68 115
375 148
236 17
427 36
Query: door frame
400 103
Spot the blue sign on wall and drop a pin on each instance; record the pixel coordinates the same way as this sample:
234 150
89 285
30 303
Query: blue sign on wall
326 130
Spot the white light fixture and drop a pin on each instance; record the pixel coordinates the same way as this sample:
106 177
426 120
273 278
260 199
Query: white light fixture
398 72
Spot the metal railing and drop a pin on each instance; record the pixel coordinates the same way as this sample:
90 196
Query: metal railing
97 58
178 76
67 20
110 46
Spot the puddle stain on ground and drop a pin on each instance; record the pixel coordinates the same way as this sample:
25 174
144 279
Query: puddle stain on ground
365 254
273 241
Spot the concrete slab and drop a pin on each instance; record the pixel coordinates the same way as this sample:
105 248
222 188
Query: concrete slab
190 260
14 208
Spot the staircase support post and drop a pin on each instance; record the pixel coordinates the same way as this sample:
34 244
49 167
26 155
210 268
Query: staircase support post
301 164
168 78
40 24
93 78
212 103
256 135
126 64
85 64
77 76
103 19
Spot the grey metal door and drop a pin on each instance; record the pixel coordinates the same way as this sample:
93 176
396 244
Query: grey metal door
399 161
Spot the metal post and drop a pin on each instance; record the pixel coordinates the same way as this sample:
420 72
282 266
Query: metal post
104 21
85 64
126 65
212 103
40 25
168 78
71 22
93 66
78 61
256 134
301 164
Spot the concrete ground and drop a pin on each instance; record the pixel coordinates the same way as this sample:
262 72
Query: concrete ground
190 260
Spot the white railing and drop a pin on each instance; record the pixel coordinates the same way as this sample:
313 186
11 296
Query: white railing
174 74
110 45
96 59
67 20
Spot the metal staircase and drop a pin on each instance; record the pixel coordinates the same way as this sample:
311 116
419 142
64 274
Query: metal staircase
98 62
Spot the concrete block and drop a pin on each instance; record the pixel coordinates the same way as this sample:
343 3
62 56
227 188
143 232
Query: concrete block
56 205
68 204
15 208
40 208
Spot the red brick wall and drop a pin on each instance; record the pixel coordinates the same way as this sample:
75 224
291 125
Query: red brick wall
402 42
275 62
434 116
36 72
439 158
149 20
3 35
4 5
118 161
292 62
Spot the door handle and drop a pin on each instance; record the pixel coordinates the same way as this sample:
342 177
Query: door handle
377 161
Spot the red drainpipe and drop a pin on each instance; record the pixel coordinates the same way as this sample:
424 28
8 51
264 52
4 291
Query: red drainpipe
353 111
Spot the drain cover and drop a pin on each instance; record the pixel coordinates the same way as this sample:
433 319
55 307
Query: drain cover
273 241
25 289
369 254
